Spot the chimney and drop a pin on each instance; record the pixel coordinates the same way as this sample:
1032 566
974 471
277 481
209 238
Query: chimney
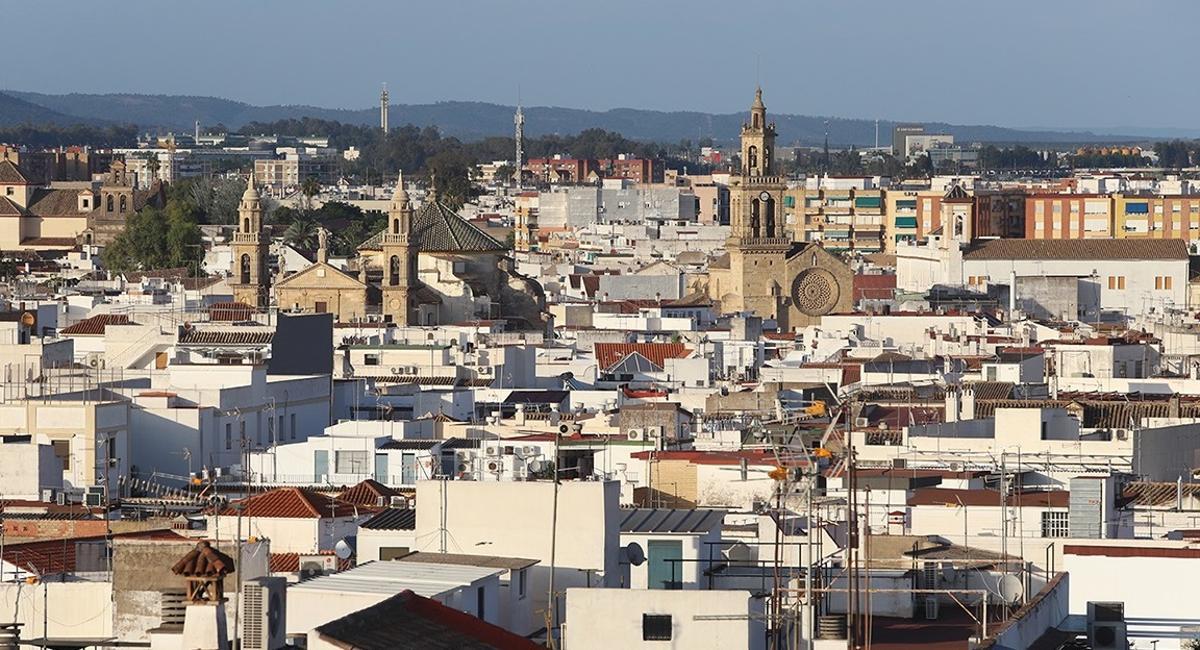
967 404
952 405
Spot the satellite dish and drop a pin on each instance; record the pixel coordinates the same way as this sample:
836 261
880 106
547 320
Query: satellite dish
535 466
740 553
632 554
344 549
1011 589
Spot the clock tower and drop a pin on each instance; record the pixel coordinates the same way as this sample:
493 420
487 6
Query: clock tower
759 240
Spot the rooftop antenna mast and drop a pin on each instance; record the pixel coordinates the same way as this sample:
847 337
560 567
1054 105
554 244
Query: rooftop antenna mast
519 137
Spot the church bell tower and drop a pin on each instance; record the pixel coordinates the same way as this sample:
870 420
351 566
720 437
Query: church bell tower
399 258
250 281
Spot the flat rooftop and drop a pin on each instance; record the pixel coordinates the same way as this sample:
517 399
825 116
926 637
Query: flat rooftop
391 577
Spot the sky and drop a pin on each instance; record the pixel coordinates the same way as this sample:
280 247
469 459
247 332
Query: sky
1020 63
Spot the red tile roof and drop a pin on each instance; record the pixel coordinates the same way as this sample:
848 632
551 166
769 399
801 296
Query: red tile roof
368 492
96 324
290 562
291 503
230 311
610 354
58 555
226 337
1131 551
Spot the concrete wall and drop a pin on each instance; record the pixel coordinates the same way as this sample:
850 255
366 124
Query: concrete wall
513 519
1152 589
612 618
142 571
28 467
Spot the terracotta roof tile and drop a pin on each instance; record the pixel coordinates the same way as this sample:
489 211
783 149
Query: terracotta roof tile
368 493
1079 249
291 503
10 174
610 354
96 324
226 337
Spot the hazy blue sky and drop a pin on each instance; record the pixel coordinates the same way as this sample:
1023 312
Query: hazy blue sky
1093 63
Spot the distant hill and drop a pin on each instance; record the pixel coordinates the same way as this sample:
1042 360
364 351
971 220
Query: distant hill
15 111
474 120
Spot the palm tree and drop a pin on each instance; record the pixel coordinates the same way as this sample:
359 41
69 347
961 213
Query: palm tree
301 234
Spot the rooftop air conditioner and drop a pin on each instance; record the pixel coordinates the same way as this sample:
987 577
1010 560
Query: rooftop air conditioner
635 434
398 502
862 422
263 613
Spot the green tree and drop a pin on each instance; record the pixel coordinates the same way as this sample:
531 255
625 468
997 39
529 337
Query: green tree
156 239
302 234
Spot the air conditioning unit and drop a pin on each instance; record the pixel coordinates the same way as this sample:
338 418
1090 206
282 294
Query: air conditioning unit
263 612
1106 627
862 422
529 451
898 463
495 466
654 432
49 495
380 501
398 502
312 566
1122 434
93 499
636 434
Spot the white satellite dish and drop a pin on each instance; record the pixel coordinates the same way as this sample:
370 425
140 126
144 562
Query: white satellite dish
740 553
1011 589
344 549
632 554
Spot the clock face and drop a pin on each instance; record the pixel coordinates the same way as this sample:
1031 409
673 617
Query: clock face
766 196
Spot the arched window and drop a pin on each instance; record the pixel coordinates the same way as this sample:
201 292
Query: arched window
245 269
752 157
395 226
245 225
754 121
123 203
755 207
108 203
394 271
771 218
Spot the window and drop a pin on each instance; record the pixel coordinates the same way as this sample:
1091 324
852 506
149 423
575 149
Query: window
1166 282
656 627
292 434
1158 282
371 360
1055 523
521 583
350 462
1112 282
271 429
9 191
479 600
228 436
1121 282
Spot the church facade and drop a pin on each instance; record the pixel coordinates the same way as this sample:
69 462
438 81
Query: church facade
763 271
427 267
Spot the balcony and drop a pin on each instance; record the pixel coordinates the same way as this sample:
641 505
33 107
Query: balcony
246 238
